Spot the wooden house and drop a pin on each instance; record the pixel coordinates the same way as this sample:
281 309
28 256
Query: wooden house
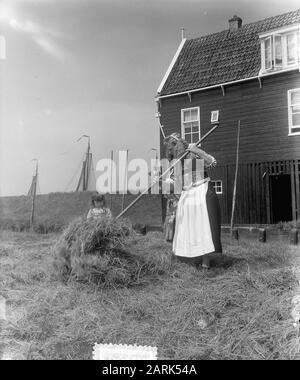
249 73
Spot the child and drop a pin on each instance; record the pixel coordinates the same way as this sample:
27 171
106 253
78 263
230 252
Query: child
99 208
172 201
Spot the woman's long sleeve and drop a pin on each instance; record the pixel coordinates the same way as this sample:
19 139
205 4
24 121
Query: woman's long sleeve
209 160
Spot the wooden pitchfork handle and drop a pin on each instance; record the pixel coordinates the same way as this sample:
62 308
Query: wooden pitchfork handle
166 172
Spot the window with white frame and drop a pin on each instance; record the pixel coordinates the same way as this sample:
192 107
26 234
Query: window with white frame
280 49
190 124
294 111
218 186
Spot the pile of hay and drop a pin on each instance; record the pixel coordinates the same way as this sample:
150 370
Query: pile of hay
107 253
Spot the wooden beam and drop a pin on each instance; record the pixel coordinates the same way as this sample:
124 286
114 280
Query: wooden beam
258 192
226 194
223 90
162 175
260 82
235 177
297 189
242 189
111 178
261 194
293 190
252 192
267 178
248 192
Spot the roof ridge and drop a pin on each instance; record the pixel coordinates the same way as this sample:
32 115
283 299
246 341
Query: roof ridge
273 17
246 25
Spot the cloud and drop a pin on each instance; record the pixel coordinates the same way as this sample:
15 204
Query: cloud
42 36
48 111
27 26
49 47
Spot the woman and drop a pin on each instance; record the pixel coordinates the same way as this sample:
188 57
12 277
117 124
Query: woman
198 216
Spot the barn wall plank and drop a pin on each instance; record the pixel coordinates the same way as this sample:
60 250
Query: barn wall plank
263 113
297 190
293 190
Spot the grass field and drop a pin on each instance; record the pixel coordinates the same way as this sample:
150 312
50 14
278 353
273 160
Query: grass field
240 309
55 210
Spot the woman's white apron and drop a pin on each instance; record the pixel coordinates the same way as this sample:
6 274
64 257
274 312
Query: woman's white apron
192 230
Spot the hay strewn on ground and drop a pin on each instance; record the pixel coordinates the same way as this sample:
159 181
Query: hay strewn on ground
104 252
240 309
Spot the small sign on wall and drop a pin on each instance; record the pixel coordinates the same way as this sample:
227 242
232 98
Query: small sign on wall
214 117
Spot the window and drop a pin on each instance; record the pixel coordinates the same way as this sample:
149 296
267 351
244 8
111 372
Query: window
291 48
294 111
214 116
218 186
190 124
267 54
280 50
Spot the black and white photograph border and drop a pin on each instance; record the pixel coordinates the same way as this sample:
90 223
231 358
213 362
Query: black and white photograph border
149 182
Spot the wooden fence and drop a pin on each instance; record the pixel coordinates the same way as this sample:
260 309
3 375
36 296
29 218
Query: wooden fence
254 202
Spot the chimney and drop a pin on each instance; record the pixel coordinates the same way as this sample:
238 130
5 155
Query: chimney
235 23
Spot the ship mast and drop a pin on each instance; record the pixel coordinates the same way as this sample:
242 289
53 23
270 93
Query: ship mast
84 178
32 193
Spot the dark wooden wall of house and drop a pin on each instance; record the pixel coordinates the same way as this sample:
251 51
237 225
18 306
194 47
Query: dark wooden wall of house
265 147
263 113
253 196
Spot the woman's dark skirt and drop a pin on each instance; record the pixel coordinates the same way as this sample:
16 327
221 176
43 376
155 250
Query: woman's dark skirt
214 214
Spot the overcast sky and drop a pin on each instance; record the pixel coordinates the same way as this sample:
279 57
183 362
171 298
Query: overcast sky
92 67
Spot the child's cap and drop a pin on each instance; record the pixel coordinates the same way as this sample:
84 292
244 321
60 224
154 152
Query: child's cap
98 198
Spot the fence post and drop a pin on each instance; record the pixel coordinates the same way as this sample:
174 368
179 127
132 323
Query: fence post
294 236
262 235
235 233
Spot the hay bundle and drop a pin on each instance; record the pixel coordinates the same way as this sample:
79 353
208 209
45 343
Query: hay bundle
106 252
97 235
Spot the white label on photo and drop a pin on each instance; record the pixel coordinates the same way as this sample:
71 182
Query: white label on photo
124 352
2 308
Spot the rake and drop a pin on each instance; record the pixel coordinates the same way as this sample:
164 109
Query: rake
166 172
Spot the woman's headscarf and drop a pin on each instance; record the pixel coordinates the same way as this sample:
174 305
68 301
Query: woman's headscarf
175 146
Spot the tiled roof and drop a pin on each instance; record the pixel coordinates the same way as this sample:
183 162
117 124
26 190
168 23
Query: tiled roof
222 57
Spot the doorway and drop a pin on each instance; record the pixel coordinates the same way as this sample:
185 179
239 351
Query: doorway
281 198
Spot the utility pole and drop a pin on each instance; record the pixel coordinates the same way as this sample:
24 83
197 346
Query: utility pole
161 127
33 194
235 178
125 180
88 164
111 176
